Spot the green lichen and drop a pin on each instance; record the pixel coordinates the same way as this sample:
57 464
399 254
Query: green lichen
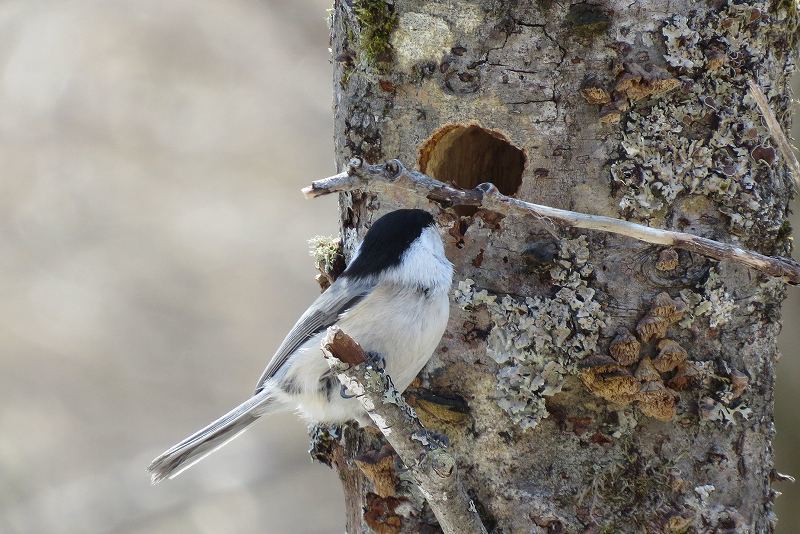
538 342
326 251
377 20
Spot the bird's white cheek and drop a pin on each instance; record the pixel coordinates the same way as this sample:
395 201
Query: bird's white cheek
424 263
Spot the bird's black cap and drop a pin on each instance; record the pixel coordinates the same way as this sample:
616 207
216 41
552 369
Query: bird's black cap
386 241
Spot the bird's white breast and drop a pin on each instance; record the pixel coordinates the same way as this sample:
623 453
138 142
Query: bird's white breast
401 324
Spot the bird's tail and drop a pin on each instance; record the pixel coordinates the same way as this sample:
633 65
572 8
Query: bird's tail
191 450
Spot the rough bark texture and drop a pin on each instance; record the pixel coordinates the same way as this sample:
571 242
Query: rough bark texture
586 382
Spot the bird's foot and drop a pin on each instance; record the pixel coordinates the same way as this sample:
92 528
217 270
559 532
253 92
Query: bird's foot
344 393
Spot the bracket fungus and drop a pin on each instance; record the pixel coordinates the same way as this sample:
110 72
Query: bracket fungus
608 380
625 347
664 312
670 355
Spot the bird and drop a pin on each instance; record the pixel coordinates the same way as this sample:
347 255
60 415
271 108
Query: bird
392 298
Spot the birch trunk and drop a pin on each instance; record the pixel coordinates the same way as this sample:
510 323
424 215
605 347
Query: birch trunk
587 382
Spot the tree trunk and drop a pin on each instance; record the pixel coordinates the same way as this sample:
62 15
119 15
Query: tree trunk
587 382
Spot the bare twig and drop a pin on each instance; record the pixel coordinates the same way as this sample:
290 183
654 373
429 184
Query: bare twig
424 455
393 174
775 130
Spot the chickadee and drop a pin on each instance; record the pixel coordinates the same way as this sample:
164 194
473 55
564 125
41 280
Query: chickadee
392 299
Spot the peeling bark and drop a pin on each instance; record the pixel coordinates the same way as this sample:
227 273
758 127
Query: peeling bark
586 382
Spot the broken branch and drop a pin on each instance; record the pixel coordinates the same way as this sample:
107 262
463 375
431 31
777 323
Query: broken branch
424 455
393 174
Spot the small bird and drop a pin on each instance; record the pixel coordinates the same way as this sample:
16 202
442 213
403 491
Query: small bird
392 299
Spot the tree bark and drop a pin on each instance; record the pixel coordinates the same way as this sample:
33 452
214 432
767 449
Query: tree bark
587 382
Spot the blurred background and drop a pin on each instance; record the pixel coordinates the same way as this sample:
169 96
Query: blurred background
151 229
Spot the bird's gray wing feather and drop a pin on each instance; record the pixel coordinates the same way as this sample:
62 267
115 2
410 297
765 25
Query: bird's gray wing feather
342 295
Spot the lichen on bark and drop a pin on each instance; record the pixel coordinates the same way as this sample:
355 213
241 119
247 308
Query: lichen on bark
625 109
539 341
719 148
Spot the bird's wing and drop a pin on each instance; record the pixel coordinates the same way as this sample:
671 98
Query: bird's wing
324 312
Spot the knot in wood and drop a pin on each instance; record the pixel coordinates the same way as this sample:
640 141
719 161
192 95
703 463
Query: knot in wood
354 165
442 463
392 169
487 188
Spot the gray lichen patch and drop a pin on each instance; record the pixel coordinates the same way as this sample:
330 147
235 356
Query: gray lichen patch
715 390
711 300
722 389
771 291
718 146
538 342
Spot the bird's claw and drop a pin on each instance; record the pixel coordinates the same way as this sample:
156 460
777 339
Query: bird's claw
344 394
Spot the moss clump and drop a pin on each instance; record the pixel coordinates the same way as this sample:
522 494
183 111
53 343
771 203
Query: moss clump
377 20
587 20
